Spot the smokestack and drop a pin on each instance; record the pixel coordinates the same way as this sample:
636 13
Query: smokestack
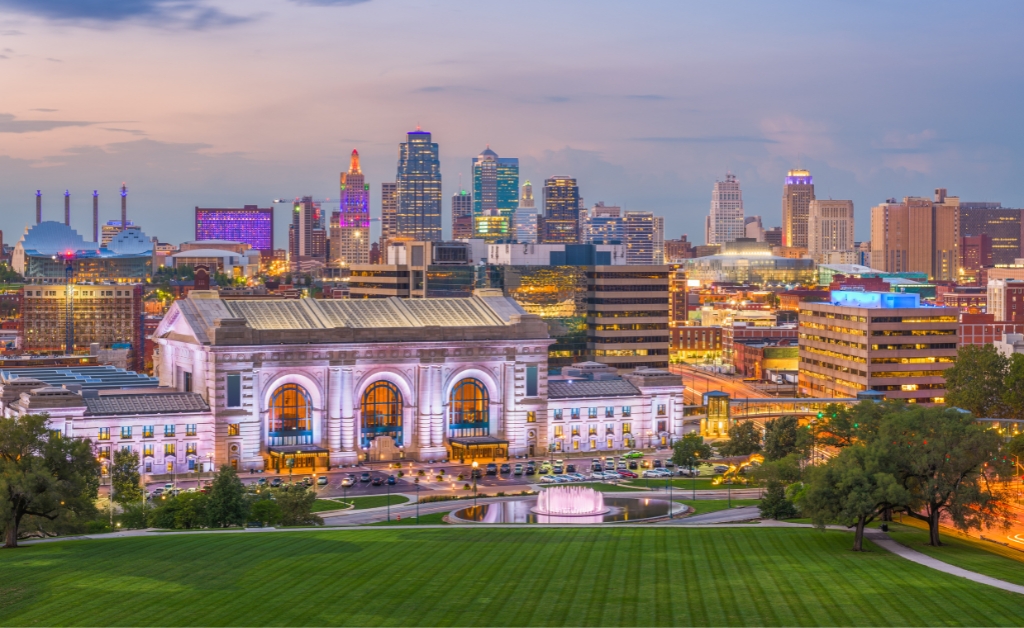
39 206
95 216
124 207
67 208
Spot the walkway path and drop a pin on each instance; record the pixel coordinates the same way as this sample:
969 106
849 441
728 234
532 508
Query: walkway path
746 513
882 540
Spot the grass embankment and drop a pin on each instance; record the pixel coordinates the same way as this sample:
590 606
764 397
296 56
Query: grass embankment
358 503
686 484
704 506
479 577
977 555
434 518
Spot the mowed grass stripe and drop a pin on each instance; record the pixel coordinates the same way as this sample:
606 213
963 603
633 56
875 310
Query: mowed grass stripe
584 576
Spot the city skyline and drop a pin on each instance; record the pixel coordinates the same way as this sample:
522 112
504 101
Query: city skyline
662 142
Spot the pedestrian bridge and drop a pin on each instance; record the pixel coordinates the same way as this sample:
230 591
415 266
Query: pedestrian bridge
720 412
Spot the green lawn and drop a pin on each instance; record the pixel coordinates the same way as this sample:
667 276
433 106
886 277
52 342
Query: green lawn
360 503
702 484
704 506
973 554
604 488
434 518
478 577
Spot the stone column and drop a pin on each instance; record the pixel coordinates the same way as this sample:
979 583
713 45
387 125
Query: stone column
510 426
423 422
334 410
436 407
348 427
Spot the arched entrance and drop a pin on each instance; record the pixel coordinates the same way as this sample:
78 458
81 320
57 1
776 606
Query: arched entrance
291 414
469 409
381 412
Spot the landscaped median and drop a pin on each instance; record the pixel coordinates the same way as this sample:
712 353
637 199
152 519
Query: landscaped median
510 577
358 503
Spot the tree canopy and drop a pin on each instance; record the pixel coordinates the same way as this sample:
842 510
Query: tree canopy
782 437
688 451
744 439
976 381
125 478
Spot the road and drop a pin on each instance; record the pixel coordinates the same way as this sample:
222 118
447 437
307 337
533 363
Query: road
697 382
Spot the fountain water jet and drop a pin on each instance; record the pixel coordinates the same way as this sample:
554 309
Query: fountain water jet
570 501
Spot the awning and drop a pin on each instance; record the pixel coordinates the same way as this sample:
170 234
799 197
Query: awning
295 450
477 441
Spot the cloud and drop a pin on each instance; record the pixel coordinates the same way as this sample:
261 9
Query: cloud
708 139
10 33
130 131
45 110
329 3
431 89
646 97
557 99
191 14
9 124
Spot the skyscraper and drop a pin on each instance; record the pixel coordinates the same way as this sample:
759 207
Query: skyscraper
797 194
639 238
525 225
495 184
388 214
561 221
307 233
659 239
350 233
917 235
462 215
1002 226
829 228
604 225
526 198
725 222
418 189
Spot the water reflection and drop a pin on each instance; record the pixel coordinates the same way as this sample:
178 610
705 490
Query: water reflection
519 511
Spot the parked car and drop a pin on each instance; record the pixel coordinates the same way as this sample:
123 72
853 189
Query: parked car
721 468
612 475
518 469
391 480
504 469
322 480
634 454
579 477
559 469
621 466
377 481
651 474
669 464
475 474
657 464
364 477
531 469
276 482
570 468
561 479
596 462
307 481
261 482
547 479
688 473
632 464
609 463
626 474
597 475
492 469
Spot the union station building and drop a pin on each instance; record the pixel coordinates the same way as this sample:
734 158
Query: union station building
311 383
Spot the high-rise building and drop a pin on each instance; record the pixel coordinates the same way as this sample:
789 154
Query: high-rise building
604 225
659 239
104 313
350 233
829 228
388 213
1005 300
526 198
725 222
628 314
753 228
639 238
975 252
860 341
525 225
773 236
917 235
561 221
462 215
492 226
250 224
419 188
1001 225
495 184
797 194
307 234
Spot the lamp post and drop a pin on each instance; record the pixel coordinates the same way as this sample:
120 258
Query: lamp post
476 465
209 461
668 482
389 503
417 482
290 463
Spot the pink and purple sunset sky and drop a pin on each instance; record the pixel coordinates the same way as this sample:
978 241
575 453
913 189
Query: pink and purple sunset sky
222 103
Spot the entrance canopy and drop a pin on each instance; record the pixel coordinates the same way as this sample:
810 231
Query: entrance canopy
303 456
478 447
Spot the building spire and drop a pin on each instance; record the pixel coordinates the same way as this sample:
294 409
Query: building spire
353 167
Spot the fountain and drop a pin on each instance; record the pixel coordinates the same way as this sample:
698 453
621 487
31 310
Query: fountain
570 501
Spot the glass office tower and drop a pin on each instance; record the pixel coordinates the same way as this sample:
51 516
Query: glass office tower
418 191
495 184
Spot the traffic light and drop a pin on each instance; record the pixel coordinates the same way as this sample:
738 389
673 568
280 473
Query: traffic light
820 415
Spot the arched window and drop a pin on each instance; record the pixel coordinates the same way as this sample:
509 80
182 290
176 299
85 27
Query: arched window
469 409
291 414
381 412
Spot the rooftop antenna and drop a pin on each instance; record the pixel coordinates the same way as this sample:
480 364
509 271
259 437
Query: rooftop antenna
39 206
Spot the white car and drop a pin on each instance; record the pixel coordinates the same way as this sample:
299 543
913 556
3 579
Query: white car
597 475
611 475
548 479
686 471
577 477
653 473
561 479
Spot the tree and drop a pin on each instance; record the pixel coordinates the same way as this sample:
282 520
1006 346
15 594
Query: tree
851 489
1013 388
775 504
191 511
266 511
1016 446
744 439
939 456
688 451
296 505
781 437
975 381
228 504
124 477
43 475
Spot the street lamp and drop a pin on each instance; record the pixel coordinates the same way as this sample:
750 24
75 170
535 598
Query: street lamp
417 482
476 465
389 502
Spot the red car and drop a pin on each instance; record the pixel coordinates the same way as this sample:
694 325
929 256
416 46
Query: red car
626 473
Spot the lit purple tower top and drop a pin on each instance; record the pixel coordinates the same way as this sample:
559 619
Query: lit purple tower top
799 177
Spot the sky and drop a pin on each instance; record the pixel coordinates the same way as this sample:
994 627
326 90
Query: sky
220 103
